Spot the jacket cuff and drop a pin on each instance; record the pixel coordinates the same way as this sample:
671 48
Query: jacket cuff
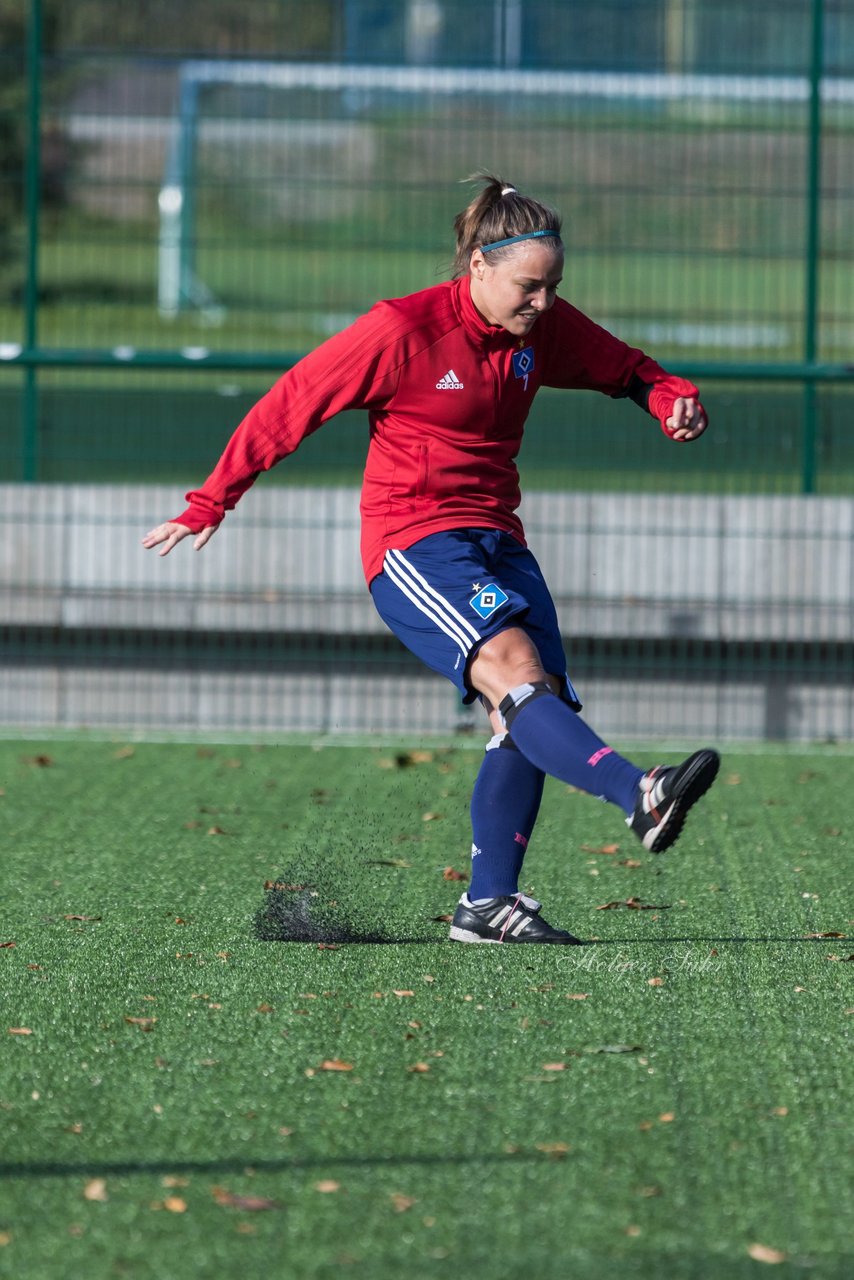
197 518
664 393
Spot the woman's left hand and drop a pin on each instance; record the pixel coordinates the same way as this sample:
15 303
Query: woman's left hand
688 419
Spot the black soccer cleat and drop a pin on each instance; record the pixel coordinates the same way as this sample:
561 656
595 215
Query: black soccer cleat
512 918
666 795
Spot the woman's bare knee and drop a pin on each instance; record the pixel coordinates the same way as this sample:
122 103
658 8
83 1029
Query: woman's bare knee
503 663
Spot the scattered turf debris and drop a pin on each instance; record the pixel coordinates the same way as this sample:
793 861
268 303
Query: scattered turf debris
295 912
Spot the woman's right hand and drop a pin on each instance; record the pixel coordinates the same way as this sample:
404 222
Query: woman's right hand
170 533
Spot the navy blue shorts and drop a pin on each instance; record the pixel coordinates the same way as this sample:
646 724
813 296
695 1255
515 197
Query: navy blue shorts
445 595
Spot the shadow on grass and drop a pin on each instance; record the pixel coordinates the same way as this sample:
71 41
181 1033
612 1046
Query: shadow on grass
669 941
290 914
239 1164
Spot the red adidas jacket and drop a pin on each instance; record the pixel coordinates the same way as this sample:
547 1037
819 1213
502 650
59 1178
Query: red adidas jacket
447 396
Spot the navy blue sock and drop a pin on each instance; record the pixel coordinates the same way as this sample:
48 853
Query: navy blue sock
555 739
504 807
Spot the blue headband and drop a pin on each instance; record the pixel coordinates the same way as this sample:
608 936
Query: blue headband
529 235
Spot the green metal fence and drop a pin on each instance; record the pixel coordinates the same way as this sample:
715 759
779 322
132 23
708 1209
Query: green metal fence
187 206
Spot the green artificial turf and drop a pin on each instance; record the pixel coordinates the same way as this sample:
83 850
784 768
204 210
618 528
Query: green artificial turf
195 1101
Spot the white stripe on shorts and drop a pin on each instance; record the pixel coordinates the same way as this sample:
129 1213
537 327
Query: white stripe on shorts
429 602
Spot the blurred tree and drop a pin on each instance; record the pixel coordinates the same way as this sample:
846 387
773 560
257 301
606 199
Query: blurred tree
14 120
13 117
211 28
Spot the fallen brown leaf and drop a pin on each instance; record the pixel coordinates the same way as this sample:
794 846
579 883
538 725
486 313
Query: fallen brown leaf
249 1204
284 888
554 1149
335 1064
7 944
577 995
655 982
90 919
402 993
144 1024
554 1066
764 1253
443 919
96 1189
602 848
833 934
124 753
174 1204
450 874
327 1186
432 817
419 1068
20 1031
400 1203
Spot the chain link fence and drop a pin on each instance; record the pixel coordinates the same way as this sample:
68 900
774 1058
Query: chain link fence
187 207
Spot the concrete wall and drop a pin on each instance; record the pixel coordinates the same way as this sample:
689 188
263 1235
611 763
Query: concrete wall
629 567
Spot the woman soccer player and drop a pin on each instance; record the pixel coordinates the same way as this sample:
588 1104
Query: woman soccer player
447 376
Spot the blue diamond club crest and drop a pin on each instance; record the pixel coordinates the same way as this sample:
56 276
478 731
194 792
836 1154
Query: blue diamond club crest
523 362
488 600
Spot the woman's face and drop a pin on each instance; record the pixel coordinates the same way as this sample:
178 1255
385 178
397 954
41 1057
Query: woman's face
519 287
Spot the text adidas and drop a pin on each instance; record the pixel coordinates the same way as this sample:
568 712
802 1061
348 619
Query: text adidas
450 382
